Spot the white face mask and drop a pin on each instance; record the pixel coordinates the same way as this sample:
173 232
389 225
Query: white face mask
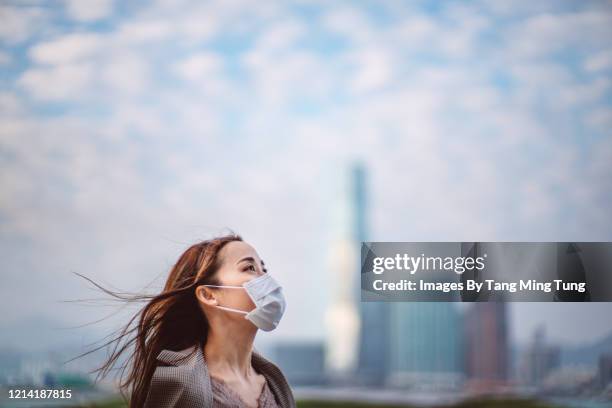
269 301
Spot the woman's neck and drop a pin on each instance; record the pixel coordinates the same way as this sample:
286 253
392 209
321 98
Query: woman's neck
228 351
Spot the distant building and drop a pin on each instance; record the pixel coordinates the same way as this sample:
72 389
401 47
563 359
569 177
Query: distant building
374 334
303 363
425 345
605 370
538 360
358 332
342 317
486 362
374 343
570 380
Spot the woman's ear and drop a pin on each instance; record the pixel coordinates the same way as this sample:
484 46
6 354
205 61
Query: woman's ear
205 296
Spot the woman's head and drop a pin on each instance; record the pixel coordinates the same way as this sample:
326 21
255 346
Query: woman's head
178 317
238 263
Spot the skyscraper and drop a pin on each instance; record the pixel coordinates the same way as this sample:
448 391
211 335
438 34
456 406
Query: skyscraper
374 333
486 345
342 317
425 344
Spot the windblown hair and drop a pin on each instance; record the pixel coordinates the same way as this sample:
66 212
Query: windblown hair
171 319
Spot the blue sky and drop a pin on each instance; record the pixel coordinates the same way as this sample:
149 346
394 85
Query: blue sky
130 129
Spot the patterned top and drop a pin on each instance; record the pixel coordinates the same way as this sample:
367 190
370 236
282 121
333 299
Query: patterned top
225 397
181 380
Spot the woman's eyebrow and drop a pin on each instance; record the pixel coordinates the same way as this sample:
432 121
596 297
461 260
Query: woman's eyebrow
249 258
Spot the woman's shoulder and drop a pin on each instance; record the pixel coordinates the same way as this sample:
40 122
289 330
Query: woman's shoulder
275 378
179 380
258 359
187 356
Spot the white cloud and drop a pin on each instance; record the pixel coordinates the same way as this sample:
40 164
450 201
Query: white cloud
373 70
89 10
21 23
126 73
99 62
61 82
200 67
601 118
67 49
512 9
459 37
583 94
198 27
545 34
415 30
601 61
205 79
10 104
540 74
278 72
145 30
349 22
281 36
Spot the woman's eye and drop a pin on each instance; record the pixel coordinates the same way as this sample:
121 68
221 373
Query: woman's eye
254 269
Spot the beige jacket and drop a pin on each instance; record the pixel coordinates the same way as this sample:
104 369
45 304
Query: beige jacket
184 382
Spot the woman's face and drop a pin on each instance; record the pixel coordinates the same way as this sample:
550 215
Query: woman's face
239 264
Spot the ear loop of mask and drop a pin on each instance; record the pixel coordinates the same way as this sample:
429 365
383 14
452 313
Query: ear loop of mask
228 308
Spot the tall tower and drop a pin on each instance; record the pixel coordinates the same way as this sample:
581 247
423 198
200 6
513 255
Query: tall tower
374 316
342 317
486 345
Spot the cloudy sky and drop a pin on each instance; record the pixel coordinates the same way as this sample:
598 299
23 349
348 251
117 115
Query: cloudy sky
129 130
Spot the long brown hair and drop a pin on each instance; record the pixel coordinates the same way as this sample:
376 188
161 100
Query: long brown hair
171 319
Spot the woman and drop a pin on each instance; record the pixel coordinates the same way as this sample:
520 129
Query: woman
193 345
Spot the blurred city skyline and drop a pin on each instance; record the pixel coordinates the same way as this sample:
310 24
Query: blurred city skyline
129 130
